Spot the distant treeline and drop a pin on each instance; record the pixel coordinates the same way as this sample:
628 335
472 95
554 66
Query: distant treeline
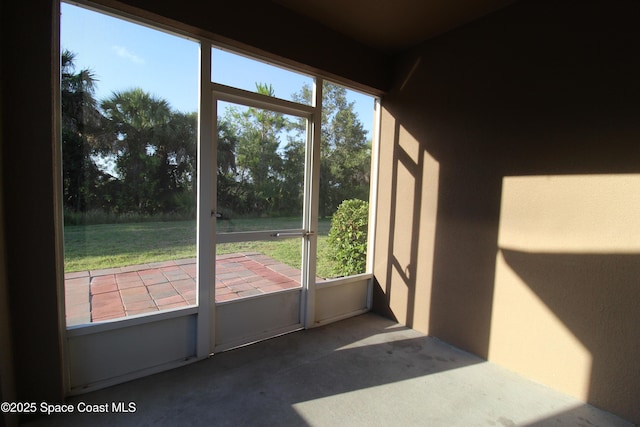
132 153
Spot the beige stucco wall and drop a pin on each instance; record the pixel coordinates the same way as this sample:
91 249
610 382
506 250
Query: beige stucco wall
583 214
30 265
565 307
407 173
516 235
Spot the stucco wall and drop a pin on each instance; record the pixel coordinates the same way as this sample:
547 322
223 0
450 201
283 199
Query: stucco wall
509 196
565 308
28 127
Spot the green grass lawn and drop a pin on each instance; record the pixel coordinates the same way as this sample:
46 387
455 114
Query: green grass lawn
91 247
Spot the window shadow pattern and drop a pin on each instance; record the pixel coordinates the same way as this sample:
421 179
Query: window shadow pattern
492 100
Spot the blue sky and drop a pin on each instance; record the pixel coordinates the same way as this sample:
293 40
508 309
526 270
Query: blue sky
123 55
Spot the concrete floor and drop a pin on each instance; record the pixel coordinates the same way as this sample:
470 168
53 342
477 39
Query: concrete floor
364 371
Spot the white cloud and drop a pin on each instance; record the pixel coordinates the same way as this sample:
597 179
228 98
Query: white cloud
123 52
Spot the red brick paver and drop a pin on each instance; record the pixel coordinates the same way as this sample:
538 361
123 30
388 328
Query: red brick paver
98 295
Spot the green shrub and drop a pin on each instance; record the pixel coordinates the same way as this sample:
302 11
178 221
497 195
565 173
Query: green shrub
348 237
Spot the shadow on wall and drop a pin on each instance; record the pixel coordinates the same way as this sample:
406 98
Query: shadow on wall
442 209
595 297
463 278
408 168
524 93
442 261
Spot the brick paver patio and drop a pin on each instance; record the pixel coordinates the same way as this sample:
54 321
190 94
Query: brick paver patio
97 295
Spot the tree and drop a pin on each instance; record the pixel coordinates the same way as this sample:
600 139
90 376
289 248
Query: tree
178 172
259 164
293 175
154 149
348 155
345 151
80 122
230 196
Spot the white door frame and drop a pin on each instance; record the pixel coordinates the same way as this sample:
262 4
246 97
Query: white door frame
275 315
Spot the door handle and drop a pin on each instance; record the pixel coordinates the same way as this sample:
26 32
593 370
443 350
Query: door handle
293 234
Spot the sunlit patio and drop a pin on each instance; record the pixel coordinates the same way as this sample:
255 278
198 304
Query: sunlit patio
99 295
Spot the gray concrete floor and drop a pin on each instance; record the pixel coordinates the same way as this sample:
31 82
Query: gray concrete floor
364 371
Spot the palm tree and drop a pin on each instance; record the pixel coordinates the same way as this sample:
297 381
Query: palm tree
80 122
154 149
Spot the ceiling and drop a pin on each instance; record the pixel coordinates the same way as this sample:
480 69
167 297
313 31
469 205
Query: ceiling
392 25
